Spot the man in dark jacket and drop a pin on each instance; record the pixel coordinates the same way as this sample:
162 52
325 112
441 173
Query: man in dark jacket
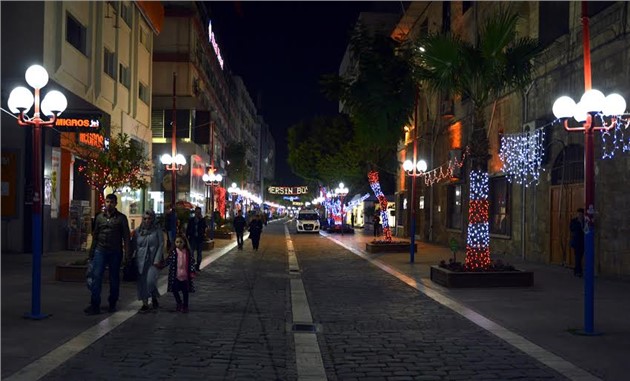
239 227
110 241
196 234
576 227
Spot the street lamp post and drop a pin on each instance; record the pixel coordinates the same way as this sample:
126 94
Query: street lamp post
212 180
413 169
341 191
591 112
54 103
174 162
233 190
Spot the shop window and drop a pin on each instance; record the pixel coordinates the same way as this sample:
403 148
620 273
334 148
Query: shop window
499 199
109 63
124 76
454 206
76 34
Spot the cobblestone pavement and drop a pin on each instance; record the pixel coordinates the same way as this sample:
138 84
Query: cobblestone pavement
374 327
236 328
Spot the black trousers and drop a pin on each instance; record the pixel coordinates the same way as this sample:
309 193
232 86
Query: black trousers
182 286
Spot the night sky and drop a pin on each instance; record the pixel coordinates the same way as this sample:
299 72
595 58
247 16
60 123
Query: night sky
281 49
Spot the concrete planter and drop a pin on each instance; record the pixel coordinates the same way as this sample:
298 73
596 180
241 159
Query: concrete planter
74 273
401 247
208 245
454 279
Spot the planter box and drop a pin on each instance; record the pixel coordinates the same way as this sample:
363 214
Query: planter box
402 247
208 245
448 278
223 235
74 273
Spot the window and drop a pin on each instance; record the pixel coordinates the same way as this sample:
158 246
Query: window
125 13
499 199
76 34
124 75
143 93
144 38
454 207
109 63
553 20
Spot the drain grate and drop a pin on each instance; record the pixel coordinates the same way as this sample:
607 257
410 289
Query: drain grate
304 328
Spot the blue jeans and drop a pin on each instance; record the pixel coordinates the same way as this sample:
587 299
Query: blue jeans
239 238
112 260
196 245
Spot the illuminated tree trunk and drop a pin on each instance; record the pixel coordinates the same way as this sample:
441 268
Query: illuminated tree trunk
382 200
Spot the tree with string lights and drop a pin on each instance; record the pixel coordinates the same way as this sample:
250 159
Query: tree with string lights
496 62
122 163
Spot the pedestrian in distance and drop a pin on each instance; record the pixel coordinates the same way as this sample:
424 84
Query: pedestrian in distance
239 227
576 227
109 244
181 272
148 251
376 221
255 230
196 234
352 219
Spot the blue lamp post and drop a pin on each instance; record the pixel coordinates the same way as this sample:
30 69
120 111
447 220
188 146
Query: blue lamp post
54 103
413 169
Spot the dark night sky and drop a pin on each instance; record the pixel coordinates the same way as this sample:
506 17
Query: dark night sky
281 49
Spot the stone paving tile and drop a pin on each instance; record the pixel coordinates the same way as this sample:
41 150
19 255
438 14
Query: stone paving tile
236 329
369 319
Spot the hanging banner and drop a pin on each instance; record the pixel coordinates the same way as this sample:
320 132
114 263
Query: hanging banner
55 176
288 190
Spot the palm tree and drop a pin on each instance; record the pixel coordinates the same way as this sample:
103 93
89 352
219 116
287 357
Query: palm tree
498 61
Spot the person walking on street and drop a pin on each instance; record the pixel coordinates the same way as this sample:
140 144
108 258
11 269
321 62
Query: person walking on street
352 219
109 244
196 233
255 230
148 249
576 226
239 227
181 272
376 221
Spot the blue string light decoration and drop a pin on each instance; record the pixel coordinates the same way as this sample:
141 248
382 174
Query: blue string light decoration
521 154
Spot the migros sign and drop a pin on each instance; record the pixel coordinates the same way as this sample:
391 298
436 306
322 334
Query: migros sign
78 122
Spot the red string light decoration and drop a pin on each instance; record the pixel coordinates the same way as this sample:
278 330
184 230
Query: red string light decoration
478 239
382 200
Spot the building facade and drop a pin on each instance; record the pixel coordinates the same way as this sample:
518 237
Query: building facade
98 54
530 221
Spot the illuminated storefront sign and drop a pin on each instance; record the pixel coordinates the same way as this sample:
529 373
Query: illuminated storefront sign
288 190
94 140
215 46
78 122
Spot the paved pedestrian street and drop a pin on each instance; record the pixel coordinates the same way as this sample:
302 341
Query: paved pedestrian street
303 307
375 327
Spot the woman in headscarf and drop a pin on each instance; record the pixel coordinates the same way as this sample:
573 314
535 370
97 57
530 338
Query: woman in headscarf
149 248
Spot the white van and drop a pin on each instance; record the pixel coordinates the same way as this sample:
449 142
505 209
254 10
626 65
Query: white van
307 221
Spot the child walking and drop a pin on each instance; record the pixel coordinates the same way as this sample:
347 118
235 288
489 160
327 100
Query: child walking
181 272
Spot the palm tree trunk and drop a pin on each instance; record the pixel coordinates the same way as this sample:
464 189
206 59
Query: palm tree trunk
478 237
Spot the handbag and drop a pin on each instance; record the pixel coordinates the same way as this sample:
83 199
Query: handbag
130 271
